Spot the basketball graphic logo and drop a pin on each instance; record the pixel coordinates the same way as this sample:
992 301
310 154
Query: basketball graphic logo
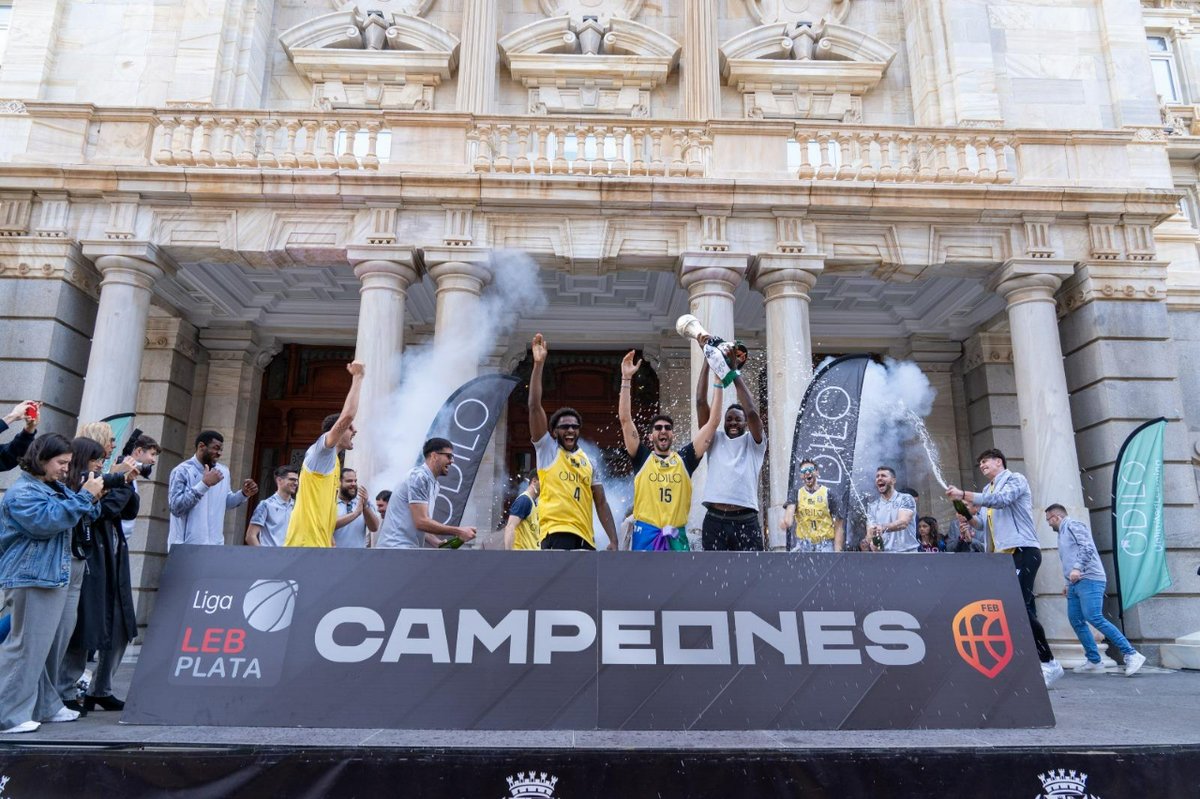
982 638
269 604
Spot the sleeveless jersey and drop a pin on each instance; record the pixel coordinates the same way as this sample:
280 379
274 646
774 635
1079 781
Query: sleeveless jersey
662 492
315 512
813 520
565 503
527 534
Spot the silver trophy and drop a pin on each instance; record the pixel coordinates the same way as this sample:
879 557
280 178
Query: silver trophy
724 357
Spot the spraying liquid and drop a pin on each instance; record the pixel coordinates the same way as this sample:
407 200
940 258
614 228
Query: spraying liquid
931 451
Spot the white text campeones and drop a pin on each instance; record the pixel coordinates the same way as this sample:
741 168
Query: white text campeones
627 637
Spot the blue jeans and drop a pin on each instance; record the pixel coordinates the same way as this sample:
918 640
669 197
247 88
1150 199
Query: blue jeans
1085 605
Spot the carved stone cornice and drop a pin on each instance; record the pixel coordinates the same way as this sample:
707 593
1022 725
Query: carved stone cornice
35 258
985 349
1092 281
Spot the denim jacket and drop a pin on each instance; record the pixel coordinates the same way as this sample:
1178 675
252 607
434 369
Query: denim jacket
35 532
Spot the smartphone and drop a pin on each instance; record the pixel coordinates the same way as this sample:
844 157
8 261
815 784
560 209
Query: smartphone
31 411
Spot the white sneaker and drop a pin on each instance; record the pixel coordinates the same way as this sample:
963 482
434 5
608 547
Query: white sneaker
63 714
1051 672
24 726
1133 663
1088 667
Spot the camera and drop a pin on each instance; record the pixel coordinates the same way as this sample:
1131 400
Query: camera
145 468
111 480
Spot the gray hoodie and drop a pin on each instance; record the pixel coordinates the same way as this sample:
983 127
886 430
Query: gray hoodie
1077 550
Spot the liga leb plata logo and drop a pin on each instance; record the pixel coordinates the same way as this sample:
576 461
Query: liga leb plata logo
531 785
982 637
1063 784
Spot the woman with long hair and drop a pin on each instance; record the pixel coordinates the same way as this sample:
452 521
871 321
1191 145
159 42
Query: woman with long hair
37 515
105 621
927 534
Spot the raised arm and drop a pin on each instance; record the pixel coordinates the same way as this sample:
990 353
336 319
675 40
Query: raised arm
704 438
702 392
537 414
753 419
349 407
625 404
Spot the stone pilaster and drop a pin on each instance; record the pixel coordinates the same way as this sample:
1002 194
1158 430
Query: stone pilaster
477 57
699 69
129 270
952 64
1123 368
785 280
386 271
165 398
236 358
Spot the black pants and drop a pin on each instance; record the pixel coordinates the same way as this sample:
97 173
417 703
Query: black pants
1028 560
732 531
565 541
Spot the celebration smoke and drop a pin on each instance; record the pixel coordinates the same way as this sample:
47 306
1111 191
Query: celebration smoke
896 396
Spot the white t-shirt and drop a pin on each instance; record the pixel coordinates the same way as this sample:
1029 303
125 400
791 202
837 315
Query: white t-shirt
352 535
733 468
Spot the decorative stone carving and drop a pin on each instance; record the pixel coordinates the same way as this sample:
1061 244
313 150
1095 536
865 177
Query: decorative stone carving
122 219
768 11
12 107
1038 243
589 67
1105 239
52 215
603 11
712 230
459 226
15 211
412 8
789 234
1113 280
986 348
799 68
375 59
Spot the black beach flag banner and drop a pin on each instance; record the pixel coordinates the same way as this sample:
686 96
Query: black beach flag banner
468 419
827 428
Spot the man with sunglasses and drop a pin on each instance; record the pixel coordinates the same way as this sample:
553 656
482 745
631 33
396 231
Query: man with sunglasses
662 482
820 523
570 485
410 509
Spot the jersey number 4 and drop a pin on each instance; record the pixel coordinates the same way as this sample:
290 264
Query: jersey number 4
577 493
664 494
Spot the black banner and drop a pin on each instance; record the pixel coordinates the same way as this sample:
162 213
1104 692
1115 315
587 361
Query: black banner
468 419
506 770
625 641
827 429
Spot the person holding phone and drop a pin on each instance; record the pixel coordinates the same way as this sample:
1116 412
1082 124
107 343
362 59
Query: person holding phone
37 515
27 413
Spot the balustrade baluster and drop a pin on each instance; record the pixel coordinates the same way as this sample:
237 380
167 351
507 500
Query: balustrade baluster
504 162
166 140
225 154
484 151
247 155
289 159
925 159
825 146
521 162
184 155
541 164
347 159
805 170
638 165
559 165
580 165
619 165
1000 153
308 159
205 157
941 144
848 155
964 173
906 172
984 174
695 153
371 159
658 164
678 167
867 170
327 155
887 170
267 157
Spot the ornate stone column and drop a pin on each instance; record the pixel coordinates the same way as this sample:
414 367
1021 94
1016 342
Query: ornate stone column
461 274
477 57
385 271
784 280
1047 431
237 356
700 71
129 270
710 279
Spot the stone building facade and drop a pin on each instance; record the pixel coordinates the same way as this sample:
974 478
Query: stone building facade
193 192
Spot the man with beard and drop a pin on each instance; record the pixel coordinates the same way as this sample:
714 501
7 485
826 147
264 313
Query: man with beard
199 496
735 459
820 522
569 483
315 513
891 517
269 522
662 482
410 509
356 514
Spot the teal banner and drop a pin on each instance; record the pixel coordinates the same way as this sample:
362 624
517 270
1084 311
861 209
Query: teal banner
1139 545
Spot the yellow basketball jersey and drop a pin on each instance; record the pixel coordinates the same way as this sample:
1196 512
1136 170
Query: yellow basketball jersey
662 492
315 511
527 534
813 520
565 504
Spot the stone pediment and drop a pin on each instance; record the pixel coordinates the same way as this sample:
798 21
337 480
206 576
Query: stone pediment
357 60
798 70
589 67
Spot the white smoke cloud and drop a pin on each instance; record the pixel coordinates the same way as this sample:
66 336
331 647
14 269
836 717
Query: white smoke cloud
896 396
430 373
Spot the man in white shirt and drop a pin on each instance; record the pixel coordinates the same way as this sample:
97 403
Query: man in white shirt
891 517
735 459
199 495
356 515
269 522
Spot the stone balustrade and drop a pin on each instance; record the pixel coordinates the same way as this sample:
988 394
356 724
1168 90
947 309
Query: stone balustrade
587 147
269 140
899 155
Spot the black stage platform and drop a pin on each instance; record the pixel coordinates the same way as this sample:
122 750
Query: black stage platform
1137 737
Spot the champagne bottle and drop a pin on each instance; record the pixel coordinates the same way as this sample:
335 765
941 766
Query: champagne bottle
715 352
453 543
962 509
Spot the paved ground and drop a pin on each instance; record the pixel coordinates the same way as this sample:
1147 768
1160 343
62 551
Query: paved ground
1153 708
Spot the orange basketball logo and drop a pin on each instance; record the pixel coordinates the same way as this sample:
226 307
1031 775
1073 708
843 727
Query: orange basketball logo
982 638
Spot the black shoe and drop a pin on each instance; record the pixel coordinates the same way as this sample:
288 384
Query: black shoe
109 702
73 704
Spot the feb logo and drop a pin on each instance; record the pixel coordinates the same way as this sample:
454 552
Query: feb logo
982 638
269 604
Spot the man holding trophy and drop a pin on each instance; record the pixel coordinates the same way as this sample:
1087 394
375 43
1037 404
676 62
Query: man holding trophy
736 454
